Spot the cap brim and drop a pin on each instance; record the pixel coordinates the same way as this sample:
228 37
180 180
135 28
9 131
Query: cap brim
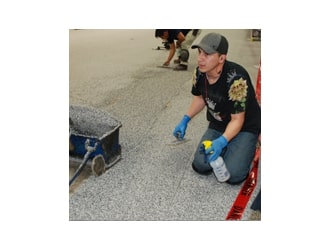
204 47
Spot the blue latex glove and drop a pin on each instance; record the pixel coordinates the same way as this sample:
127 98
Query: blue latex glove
180 129
217 146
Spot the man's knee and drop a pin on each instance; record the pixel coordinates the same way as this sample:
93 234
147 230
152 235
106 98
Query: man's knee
184 55
236 179
202 169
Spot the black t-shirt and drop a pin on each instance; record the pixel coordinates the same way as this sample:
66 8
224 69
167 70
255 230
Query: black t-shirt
173 34
233 93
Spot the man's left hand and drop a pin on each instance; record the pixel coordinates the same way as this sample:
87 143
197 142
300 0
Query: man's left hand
217 146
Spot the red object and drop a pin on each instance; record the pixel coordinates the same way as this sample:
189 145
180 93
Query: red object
247 189
239 205
258 85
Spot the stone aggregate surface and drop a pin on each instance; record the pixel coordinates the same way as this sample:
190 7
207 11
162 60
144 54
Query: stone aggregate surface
89 121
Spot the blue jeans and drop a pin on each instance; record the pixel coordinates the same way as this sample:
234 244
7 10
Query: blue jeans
238 155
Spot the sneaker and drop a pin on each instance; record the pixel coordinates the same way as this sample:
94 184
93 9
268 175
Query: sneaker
177 61
181 67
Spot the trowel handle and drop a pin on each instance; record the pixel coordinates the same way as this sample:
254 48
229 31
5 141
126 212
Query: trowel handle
207 144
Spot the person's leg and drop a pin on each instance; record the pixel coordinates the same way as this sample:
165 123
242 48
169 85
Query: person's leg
199 164
238 156
256 205
189 39
183 51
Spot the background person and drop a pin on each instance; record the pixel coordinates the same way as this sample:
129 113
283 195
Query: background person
184 38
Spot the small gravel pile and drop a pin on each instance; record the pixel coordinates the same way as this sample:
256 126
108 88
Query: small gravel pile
90 122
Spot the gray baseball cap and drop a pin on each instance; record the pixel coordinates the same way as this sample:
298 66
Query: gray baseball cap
212 43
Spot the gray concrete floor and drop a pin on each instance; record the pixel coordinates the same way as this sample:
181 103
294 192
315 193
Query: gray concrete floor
115 70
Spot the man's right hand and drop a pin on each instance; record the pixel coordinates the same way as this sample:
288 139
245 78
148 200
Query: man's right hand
180 130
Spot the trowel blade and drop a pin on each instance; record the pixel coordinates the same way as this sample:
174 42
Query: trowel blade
177 142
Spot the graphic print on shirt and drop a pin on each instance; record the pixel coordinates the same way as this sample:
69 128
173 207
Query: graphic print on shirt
196 75
237 91
211 107
210 104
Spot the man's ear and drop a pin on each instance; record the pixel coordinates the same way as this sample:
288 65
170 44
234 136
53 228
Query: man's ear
222 58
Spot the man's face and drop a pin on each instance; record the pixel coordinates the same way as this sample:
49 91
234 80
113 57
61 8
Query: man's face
164 36
207 62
